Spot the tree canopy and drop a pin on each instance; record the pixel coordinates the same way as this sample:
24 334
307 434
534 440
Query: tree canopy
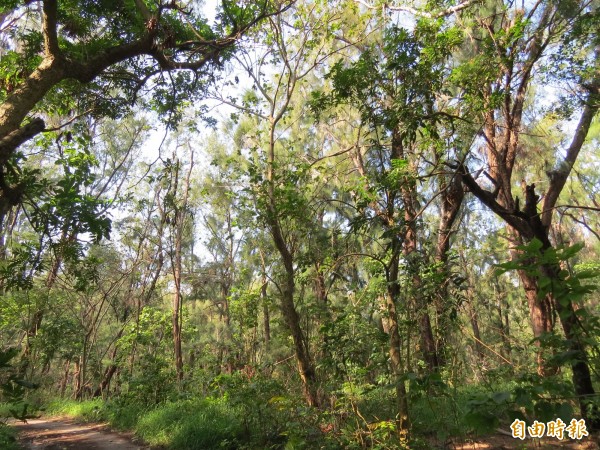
304 224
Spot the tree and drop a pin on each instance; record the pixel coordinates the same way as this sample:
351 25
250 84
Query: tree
283 192
87 56
394 86
496 80
176 210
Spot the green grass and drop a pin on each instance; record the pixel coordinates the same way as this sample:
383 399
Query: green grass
252 419
8 440
5 410
85 411
199 424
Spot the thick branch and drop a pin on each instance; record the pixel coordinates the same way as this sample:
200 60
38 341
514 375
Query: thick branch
51 47
10 142
21 101
56 67
143 9
558 178
49 28
487 198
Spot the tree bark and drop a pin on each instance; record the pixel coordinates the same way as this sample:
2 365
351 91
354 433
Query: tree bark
179 220
410 252
395 344
452 198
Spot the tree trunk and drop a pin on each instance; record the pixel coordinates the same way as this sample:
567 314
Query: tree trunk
410 252
540 314
395 346
38 315
65 378
582 380
292 319
503 325
452 198
527 225
474 320
266 318
111 369
77 379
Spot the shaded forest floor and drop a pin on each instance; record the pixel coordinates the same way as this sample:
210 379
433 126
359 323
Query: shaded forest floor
65 434
60 433
500 442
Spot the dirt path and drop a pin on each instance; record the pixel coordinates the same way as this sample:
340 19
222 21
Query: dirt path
501 442
63 434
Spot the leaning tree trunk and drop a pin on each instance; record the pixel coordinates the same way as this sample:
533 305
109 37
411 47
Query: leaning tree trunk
292 320
528 225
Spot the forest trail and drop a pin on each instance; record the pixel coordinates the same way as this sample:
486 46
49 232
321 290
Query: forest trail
64 434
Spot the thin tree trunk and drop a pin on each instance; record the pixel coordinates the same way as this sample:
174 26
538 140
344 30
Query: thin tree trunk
582 380
38 315
292 319
290 314
77 379
452 198
179 225
65 378
395 345
111 369
474 320
266 318
409 249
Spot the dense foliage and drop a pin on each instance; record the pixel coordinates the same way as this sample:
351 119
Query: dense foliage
306 224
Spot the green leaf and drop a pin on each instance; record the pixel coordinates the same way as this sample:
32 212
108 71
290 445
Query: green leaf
500 397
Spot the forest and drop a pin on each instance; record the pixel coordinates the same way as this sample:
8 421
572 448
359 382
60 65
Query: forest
302 224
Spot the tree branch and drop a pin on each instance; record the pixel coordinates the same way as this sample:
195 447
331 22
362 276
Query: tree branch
144 11
558 178
487 198
11 141
419 13
51 47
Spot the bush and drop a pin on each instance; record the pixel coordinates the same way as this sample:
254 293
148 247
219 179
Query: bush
85 411
198 424
8 440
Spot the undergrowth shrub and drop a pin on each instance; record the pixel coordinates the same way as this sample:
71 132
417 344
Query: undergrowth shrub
85 411
8 440
199 424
